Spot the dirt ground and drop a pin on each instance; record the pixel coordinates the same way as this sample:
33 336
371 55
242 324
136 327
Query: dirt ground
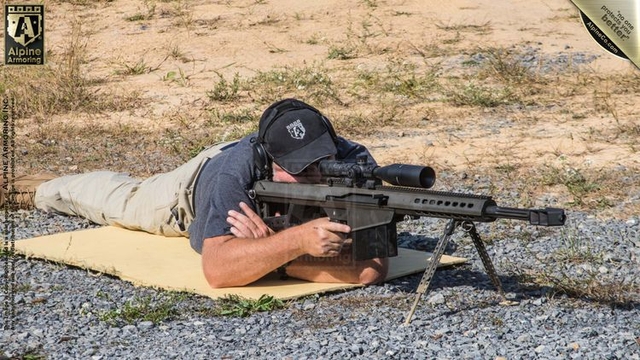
172 53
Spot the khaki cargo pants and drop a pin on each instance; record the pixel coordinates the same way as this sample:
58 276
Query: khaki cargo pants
161 204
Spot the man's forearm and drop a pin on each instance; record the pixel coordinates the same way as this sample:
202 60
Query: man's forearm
231 261
339 269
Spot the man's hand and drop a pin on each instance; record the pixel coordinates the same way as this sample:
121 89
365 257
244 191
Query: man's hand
247 225
320 237
323 238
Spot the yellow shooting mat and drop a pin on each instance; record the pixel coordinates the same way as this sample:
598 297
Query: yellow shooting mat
171 264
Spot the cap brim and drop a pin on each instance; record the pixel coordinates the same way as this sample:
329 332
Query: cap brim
296 161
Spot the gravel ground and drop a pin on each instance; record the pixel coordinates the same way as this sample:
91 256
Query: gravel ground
62 312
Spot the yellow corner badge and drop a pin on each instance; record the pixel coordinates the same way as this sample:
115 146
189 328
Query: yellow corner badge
613 25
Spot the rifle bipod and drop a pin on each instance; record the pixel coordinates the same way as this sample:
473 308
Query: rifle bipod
432 262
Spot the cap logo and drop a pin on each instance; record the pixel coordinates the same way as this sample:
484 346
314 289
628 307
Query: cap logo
296 130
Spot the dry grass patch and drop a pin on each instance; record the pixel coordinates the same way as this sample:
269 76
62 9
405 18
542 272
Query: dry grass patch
400 79
313 83
615 293
580 272
62 85
97 144
579 268
602 191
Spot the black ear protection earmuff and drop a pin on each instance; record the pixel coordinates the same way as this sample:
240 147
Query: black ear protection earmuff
261 157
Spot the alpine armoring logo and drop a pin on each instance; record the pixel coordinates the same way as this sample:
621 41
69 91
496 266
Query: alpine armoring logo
296 130
24 35
24 27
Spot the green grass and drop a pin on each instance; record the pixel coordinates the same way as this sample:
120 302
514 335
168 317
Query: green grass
576 249
341 53
138 68
237 306
507 66
147 14
591 287
479 95
574 270
312 82
144 308
398 79
168 306
224 90
177 77
574 180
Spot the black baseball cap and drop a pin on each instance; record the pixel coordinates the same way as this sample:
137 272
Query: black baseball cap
296 135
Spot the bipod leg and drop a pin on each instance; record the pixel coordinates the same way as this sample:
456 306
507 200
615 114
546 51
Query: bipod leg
432 264
470 228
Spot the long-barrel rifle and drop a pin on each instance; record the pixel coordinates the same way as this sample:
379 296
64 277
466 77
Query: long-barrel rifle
353 193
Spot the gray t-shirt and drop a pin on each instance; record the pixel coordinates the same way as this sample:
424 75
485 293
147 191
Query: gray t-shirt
224 182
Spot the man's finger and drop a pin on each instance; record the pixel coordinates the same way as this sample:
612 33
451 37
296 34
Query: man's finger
237 233
337 227
257 224
238 218
241 230
248 211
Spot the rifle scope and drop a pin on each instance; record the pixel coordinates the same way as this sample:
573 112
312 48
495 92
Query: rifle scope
396 174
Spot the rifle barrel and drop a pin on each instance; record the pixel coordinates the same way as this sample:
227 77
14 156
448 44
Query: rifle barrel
545 217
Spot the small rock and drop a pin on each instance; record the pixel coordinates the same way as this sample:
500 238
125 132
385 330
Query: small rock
88 353
356 349
436 299
524 338
145 325
538 301
129 328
